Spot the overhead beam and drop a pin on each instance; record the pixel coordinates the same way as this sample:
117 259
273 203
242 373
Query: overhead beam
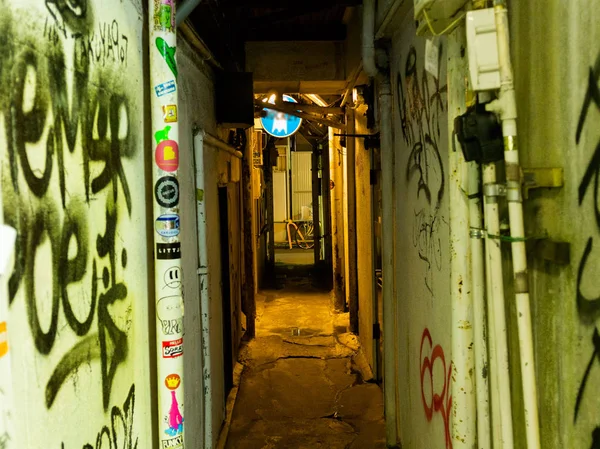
312 108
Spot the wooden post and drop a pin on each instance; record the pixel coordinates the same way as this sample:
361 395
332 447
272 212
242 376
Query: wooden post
352 253
248 242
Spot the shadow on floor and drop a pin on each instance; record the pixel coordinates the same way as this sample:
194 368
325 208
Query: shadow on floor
304 384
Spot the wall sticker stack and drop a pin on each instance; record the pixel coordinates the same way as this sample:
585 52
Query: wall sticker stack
167 254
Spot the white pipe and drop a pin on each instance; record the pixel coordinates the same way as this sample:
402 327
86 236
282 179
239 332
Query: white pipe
203 276
165 187
479 315
496 307
463 431
387 259
506 106
221 145
368 38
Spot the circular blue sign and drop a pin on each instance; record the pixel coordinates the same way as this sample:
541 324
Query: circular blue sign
280 124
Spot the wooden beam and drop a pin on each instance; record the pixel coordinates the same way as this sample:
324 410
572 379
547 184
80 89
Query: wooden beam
312 108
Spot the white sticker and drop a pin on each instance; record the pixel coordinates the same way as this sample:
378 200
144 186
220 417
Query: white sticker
432 57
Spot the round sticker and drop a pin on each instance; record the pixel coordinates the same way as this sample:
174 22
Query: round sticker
167 225
167 155
166 191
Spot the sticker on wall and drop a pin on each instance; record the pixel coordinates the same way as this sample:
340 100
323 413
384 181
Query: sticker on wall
169 311
166 251
172 349
170 113
172 381
167 225
172 277
3 339
165 88
174 420
168 54
167 156
164 17
172 443
166 191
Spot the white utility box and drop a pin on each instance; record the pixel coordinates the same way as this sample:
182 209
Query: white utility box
482 43
441 13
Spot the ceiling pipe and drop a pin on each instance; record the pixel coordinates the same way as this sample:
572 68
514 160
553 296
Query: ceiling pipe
184 10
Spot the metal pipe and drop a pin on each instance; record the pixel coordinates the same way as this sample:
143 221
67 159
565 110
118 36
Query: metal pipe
185 9
203 278
165 184
496 305
387 259
392 10
221 145
196 41
368 38
479 315
506 106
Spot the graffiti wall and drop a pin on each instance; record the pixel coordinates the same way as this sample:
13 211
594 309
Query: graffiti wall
422 217
562 130
71 149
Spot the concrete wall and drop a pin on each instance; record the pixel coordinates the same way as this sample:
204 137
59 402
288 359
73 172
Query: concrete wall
196 109
422 242
72 143
557 77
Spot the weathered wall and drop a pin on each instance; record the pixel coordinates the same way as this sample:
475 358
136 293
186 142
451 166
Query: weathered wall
422 243
73 180
556 57
196 109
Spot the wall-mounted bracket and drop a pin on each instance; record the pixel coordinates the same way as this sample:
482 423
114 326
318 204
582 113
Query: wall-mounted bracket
371 140
534 178
551 251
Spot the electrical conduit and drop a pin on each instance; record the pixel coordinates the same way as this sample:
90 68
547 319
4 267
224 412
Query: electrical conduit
387 225
506 107
167 251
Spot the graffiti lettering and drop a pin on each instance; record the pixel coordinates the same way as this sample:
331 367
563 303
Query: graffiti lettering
589 308
426 231
435 401
120 433
88 123
422 125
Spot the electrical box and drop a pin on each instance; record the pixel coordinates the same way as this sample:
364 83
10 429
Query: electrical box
482 44
234 98
440 13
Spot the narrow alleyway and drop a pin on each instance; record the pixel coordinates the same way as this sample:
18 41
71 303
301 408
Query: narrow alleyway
302 385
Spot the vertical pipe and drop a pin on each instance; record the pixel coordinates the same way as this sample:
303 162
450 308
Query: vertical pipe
387 231
463 432
165 184
496 306
508 114
7 237
247 209
337 229
204 294
352 253
479 315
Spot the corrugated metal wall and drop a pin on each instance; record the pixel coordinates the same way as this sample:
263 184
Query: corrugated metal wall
301 184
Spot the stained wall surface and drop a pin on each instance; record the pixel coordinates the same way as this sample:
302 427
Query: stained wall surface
422 241
73 181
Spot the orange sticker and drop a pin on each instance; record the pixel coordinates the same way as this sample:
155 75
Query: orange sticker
3 339
172 381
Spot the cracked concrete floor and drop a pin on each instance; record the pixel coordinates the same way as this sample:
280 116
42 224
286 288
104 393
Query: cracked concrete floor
302 385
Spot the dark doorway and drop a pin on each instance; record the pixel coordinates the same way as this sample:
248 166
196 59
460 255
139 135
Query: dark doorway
226 291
